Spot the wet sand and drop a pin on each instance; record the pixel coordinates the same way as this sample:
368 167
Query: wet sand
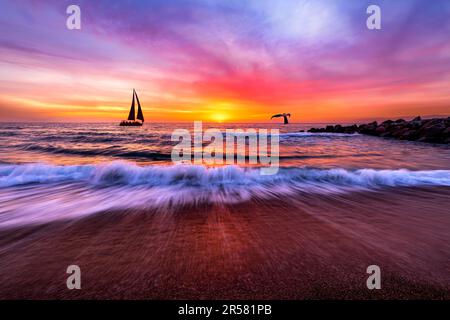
306 247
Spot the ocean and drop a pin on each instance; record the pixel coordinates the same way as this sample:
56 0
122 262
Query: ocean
110 167
96 194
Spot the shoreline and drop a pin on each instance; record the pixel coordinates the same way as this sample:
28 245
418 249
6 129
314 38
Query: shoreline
301 247
435 130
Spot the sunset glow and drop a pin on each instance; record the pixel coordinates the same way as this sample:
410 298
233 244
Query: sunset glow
224 61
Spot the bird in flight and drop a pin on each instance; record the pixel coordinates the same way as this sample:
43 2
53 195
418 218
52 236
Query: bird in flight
284 115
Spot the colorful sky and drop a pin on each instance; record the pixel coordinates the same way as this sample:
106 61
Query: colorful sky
224 60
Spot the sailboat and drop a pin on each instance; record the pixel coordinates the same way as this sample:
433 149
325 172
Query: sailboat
131 117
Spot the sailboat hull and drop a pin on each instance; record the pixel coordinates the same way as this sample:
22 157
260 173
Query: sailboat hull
131 124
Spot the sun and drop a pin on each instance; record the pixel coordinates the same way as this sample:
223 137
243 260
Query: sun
219 117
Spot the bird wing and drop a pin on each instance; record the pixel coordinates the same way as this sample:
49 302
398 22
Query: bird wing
276 116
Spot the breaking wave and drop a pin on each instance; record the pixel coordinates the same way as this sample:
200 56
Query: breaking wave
40 193
126 173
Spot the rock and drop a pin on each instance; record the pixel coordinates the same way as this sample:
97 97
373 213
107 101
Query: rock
350 129
401 134
432 132
446 132
368 128
363 128
380 130
422 139
433 122
315 130
436 130
409 135
414 124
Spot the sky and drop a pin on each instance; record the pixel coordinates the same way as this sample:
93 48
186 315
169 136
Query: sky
224 60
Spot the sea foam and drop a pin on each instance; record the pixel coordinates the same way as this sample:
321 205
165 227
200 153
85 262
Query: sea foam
40 193
126 173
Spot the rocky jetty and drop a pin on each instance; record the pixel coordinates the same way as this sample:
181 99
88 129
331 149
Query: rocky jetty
436 130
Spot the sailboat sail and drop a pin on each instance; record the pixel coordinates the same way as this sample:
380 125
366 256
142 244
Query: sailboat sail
131 115
140 115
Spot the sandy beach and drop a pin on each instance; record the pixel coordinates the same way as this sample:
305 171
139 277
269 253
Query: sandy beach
307 247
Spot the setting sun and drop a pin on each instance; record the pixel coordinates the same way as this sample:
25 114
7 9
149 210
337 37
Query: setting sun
219 117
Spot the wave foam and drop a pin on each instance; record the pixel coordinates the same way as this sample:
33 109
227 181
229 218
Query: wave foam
125 173
67 192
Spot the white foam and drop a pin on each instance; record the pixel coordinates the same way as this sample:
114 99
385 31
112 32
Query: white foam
37 193
126 173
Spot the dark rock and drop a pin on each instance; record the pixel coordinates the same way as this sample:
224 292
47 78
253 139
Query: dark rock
350 129
446 132
414 124
409 135
401 133
380 130
435 130
433 122
368 128
315 130
432 132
